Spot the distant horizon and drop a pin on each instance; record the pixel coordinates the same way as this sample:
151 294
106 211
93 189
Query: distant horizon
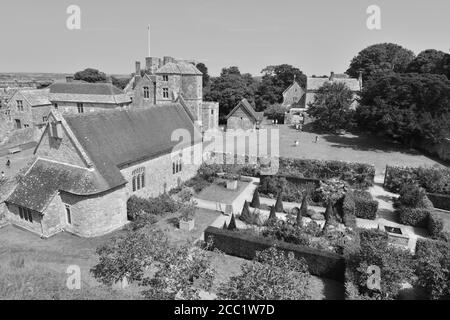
316 37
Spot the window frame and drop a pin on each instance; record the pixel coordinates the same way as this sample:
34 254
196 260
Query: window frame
80 107
165 92
146 92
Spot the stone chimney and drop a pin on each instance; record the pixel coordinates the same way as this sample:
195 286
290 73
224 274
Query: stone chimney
168 59
152 64
138 69
332 76
69 79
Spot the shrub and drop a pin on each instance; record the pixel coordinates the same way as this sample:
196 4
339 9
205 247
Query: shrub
440 201
232 225
197 183
433 180
187 211
412 196
208 172
284 231
435 225
433 267
255 200
161 205
365 206
279 203
185 195
348 210
416 217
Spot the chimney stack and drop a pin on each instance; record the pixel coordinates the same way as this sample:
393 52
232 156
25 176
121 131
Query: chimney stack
168 59
138 68
332 76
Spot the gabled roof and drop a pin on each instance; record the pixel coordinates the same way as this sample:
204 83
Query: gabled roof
36 97
244 104
294 84
88 93
179 68
136 79
45 178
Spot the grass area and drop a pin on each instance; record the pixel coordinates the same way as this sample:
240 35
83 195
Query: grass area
219 193
348 147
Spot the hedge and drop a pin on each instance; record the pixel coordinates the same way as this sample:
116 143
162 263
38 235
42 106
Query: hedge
348 211
364 205
320 263
416 217
440 201
433 180
435 225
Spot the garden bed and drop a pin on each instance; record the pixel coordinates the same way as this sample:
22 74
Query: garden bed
218 192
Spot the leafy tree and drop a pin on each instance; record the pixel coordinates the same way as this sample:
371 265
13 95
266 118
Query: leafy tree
276 111
380 59
332 108
275 80
180 271
279 203
273 275
428 61
120 82
90 75
255 200
406 107
203 69
230 88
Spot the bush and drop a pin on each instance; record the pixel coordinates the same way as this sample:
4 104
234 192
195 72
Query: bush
208 172
440 201
197 183
416 217
414 197
435 225
349 210
433 180
161 205
365 206
433 267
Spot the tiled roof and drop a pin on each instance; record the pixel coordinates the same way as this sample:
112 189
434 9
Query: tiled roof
121 137
178 68
257 116
316 83
37 97
88 93
46 178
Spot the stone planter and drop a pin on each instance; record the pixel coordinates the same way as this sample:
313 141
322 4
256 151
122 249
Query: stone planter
187 225
395 235
232 184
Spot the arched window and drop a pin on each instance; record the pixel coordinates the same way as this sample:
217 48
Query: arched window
138 179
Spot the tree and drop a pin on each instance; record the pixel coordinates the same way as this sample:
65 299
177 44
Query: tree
203 69
245 214
331 108
120 82
380 59
303 211
428 61
232 225
230 88
176 268
406 107
90 75
279 203
272 215
276 111
255 200
273 275
275 80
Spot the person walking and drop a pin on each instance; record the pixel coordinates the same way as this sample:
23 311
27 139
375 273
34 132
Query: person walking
317 138
8 163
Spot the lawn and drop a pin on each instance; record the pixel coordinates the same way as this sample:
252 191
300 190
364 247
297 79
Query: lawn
348 147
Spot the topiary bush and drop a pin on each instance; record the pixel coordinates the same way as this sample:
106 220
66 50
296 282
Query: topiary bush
349 210
365 206
435 225
416 217
158 206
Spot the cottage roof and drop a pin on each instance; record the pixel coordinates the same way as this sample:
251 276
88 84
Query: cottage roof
88 93
179 68
256 116
37 97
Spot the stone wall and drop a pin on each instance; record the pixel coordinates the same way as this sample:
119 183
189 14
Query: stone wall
14 218
72 107
210 116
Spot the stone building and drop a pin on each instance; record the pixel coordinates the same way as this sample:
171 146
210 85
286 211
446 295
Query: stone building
244 117
88 165
28 108
164 80
313 84
81 97
293 95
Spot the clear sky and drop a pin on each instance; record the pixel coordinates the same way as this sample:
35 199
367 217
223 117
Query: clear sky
316 36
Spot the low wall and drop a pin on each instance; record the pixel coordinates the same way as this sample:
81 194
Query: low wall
440 201
320 263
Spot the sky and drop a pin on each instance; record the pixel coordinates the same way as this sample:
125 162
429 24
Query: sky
317 36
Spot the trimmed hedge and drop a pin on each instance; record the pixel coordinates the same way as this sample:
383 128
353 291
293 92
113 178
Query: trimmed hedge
348 212
362 202
416 217
435 225
433 180
320 263
440 201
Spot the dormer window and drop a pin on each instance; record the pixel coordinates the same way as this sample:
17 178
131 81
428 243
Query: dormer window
56 130
19 105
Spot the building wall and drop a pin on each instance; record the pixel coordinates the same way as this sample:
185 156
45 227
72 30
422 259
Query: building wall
14 218
173 84
292 95
210 116
138 93
39 113
25 116
72 107
159 177
240 120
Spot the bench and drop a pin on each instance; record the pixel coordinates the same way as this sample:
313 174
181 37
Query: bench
14 150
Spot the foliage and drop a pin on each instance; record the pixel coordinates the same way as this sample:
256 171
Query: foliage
275 80
365 206
90 75
187 211
435 225
406 107
349 210
396 265
232 225
273 275
432 179
272 216
428 61
332 108
416 217
279 203
333 189
230 88
433 267
197 183
255 200
303 211
204 70
413 196
355 174
276 112
383 58
154 206
285 231
120 83
209 172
